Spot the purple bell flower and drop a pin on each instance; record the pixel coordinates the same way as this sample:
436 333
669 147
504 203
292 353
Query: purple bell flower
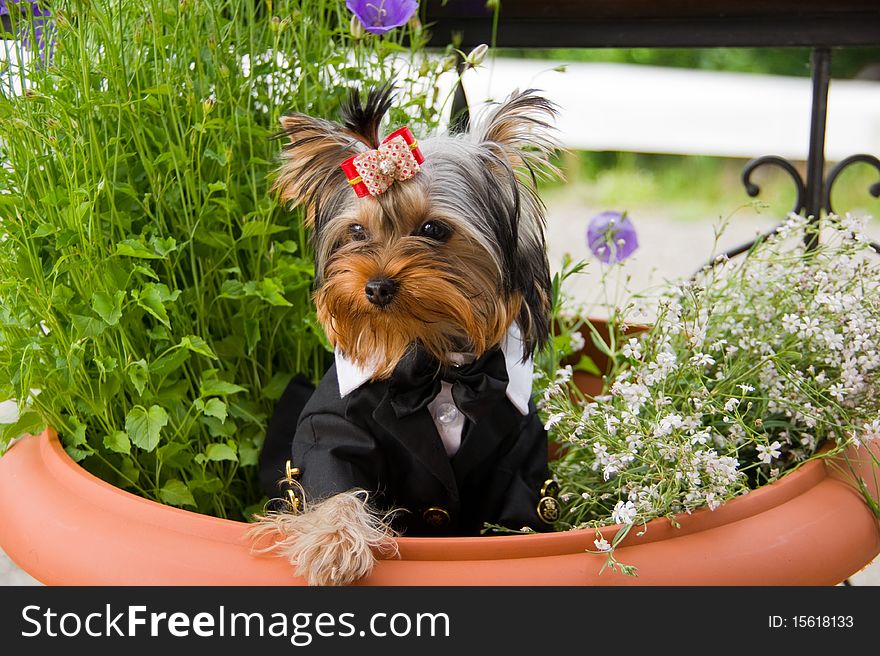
612 237
43 29
380 16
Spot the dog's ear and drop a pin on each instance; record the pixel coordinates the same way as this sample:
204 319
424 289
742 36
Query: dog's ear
520 130
362 121
520 140
532 282
310 161
310 171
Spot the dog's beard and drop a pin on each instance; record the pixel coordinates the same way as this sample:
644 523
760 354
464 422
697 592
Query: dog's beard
443 307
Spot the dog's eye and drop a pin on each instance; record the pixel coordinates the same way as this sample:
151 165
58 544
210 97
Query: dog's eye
435 230
357 232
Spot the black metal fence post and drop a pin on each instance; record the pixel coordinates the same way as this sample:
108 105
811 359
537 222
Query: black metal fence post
821 76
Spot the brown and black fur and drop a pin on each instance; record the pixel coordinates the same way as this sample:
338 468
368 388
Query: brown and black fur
463 291
461 247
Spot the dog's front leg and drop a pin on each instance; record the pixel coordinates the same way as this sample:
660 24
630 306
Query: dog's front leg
333 542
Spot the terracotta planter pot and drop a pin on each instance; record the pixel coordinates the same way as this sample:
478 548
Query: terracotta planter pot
64 526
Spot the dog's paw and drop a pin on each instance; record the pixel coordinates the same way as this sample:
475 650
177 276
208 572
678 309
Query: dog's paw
334 542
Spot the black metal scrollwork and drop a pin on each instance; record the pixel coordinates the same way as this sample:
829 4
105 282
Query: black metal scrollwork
773 160
812 195
874 189
753 190
801 190
838 168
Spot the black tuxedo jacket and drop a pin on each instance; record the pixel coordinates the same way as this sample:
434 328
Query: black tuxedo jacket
380 439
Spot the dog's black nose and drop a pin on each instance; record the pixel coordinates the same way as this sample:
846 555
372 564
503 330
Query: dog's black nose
380 291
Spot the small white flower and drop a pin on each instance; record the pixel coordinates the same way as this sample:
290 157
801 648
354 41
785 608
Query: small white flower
666 359
668 424
702 360
853 224
731 404
767 454
609 471
837 390
632 349
833 340
624 513
871 432
563 375
809 327
791 323
602 545
746 388
554 419
700 438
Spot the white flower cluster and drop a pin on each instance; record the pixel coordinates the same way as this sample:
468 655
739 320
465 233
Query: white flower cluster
746 371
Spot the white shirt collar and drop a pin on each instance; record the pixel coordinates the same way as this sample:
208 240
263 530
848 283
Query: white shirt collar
519 387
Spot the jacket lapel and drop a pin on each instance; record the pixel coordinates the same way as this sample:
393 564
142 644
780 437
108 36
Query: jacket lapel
482 438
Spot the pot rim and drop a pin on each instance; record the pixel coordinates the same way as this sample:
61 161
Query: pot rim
80 483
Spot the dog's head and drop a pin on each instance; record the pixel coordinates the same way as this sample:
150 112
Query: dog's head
448 258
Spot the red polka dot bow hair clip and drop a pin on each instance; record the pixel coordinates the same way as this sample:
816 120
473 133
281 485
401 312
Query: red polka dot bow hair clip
397 158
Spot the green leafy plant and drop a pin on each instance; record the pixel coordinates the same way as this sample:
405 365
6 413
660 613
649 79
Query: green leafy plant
154 299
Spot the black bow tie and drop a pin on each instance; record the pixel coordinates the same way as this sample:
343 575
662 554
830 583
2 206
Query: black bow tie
475 387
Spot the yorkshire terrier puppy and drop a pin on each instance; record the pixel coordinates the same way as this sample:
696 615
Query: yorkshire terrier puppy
432 283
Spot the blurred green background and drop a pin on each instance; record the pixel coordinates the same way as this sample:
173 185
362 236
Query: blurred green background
696 186
847 63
